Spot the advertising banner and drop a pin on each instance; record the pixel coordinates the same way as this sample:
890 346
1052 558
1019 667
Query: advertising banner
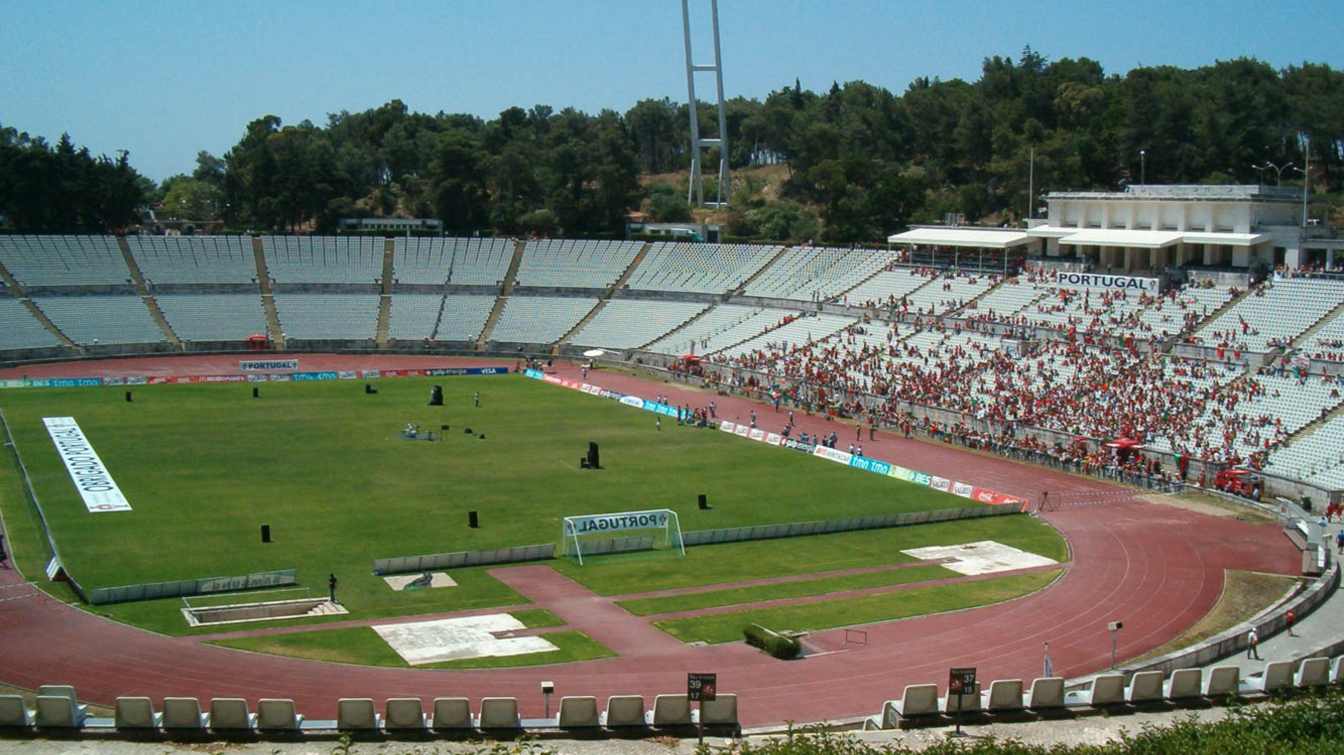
626 520
773 439
634 401
741 430
833 454
309 376
727 426
940 483
91 478
961 489
757 434
1109 282
266 365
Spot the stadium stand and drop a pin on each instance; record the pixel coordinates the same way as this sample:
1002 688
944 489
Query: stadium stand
101 319
216 317
20 330
1316 457
1328 343
888 287
628 323
818 273
463 317
793 334
539 319
194 259
323 259
699 268
414 316
575 264
1273 315
466 261
720 328
36 261
327 316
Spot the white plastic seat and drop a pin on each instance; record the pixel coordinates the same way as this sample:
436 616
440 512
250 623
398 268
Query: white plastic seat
1004 696
1106 690
721 711
58 712
135 713
578 713
1337 670
500 713
1221 681
1314 672
1144 687
670 710
278 714
13 713
967 703
452 713
1184 684
184 713
918 700
231 714
624 710
357 714
1047 693
405 714
1278 675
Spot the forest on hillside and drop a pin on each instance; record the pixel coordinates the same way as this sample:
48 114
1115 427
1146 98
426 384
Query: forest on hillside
860 160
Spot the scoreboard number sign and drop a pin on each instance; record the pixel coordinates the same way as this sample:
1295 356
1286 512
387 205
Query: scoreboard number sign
961 681
701 687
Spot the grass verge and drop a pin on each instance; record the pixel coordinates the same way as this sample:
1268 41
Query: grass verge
1244 595
837 613
759 593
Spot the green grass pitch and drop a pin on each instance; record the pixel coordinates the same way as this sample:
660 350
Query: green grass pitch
204 466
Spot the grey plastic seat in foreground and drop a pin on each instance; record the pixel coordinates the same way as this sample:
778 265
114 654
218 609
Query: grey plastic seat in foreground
356 714
1144 687
1221 681
967 703
500 713
1047 693
670 710
184 713
277 714
918 700
62 690
721 711
452 713
231 714
1184 684
1004 696
1337 670
1278 676
578 713
624 710
135 713
13 713
1314 672
1106 690
404 713
58 712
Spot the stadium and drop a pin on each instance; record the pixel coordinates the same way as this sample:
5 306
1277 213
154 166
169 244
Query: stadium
408 484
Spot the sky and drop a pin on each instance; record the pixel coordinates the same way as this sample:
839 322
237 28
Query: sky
164 80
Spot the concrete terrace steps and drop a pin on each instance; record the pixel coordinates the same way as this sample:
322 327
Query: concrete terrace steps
841 296
273 330
977 298
1312 426
1315 327
141 288
17 292
630 269
1214 315
384 325
742 289
505 291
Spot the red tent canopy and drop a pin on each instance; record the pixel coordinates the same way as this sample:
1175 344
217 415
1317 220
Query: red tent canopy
1124 443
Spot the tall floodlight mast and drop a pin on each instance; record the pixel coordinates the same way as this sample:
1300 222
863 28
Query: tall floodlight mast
695 193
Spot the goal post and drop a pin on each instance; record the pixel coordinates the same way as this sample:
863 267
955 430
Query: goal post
660 529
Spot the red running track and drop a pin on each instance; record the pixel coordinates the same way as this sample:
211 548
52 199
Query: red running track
1157 568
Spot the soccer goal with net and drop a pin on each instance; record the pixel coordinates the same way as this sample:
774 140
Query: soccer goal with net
621 532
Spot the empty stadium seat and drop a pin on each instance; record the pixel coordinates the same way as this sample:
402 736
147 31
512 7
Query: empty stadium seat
578 713
135 713
623 711
1047 694
967 703
452 713
13 713
721 711
1144 687
499 713
1278 676
1337 670
278 714
1107 690
357 714
184 714
1004 696
1221 681
231 714
670 710
1313 672
404 714
1184 685
58 712
917 701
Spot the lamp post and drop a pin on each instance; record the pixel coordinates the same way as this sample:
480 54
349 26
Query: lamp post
1143 167
1278 170
1306 178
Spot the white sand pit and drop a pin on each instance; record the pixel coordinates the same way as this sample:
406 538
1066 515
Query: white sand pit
421 642
401 582
983 557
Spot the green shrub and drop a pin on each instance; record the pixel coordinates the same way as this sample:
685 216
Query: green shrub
773 643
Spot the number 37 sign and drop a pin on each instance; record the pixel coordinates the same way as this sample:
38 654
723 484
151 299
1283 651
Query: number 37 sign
701 687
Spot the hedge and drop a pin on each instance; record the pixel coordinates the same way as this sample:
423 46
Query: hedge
774 643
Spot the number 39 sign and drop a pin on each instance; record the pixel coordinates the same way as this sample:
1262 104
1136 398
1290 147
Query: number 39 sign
701 687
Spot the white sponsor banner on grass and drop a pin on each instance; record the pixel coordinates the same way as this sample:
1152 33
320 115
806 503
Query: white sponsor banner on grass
727 426
265 365
92 480
835 455
625 520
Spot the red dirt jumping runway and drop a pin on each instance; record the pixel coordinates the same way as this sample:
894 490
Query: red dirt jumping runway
1157 568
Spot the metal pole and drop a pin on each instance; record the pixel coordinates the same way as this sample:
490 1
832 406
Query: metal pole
695 191
1306 183
1031 186
1143 167
724 191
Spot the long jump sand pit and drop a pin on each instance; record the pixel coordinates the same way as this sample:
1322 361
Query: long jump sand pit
981 557
421 642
